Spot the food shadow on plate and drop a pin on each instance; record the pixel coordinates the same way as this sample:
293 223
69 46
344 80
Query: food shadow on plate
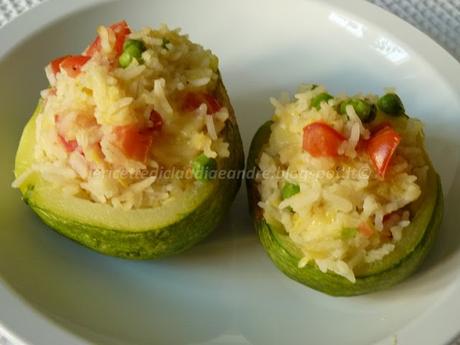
92 295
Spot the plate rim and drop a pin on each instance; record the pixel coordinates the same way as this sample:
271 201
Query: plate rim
49 11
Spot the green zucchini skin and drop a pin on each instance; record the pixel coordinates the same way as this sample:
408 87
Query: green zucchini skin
171 239
285 255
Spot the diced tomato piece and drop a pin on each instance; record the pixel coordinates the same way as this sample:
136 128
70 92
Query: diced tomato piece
120 29
321 140
374 129
56 64
192 100
93 48
69 145
391 219
73 64
381 147
157 121
135 142
365 229
361 145
212 103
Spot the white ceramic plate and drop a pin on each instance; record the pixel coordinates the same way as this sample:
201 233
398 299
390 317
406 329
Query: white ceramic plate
225 290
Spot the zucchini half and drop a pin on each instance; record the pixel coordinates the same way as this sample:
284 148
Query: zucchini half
139 233
393 268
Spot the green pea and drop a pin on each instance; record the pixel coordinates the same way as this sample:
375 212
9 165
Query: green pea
134 51
137 43
125 59
131 52
349 233
289 189
317 100
364 110
202 166
391 104
342 107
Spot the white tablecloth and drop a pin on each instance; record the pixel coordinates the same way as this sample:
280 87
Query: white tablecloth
440 19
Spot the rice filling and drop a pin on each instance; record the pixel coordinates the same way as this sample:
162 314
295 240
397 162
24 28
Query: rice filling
333 204
108 126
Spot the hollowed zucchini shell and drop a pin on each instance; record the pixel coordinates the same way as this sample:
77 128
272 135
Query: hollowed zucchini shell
403 261
138 233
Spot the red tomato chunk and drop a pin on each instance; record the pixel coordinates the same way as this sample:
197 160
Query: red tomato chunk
135 142
157 121
321 140
193 100
120 29
381 147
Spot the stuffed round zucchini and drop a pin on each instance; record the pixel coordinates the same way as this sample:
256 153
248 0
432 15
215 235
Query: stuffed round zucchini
345 199
120 153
